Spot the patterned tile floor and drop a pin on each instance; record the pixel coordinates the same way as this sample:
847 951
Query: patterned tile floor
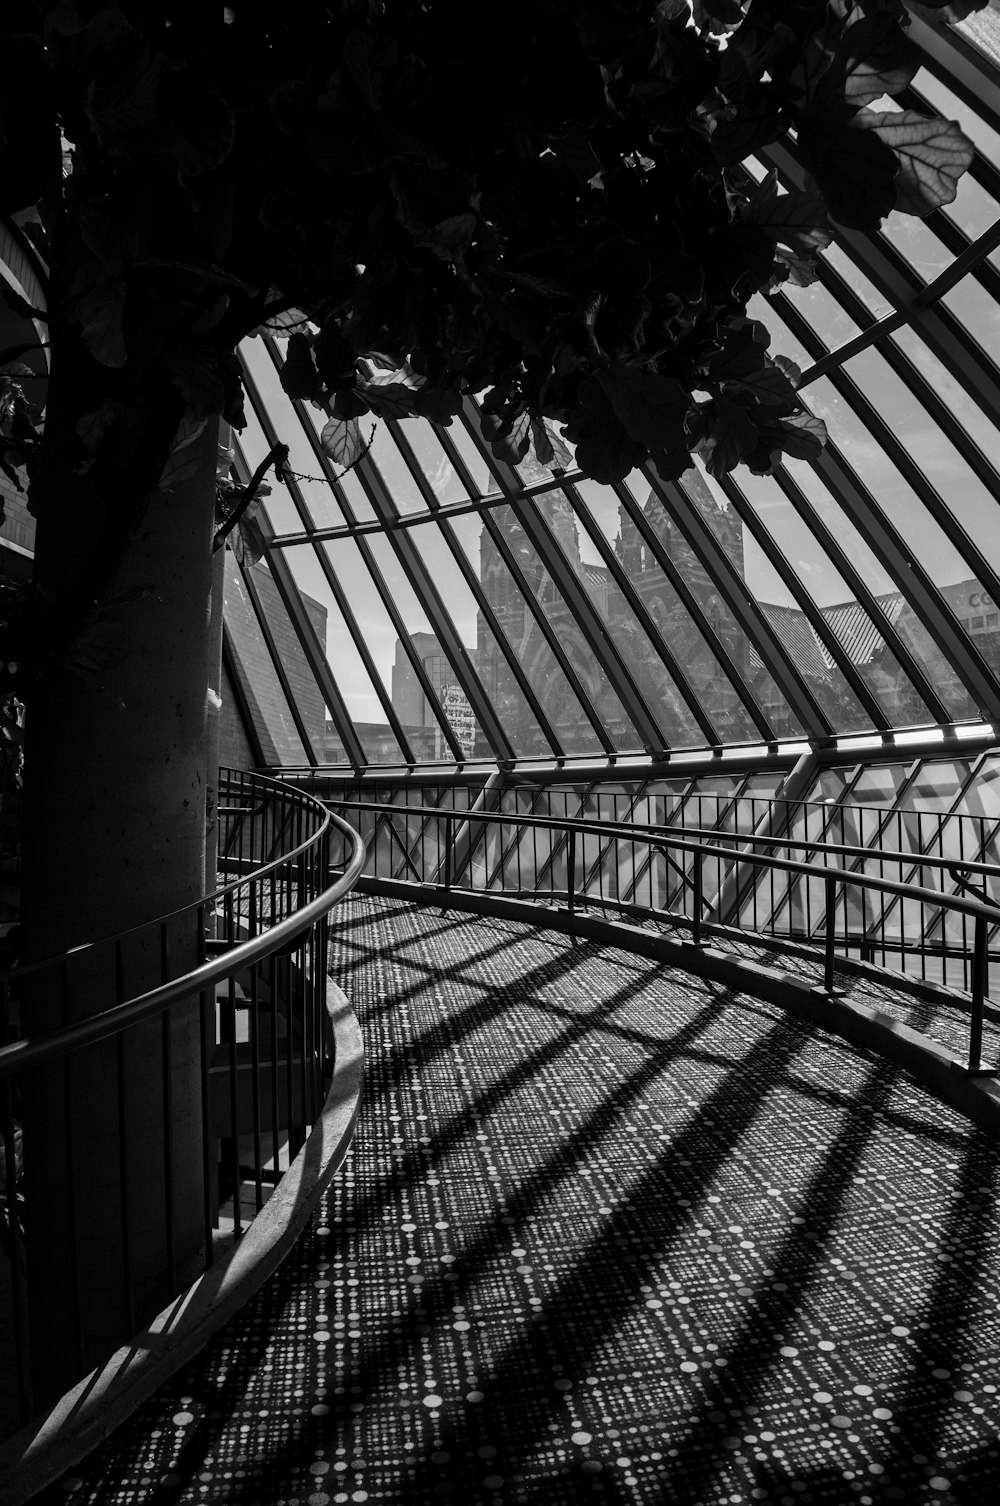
607 1234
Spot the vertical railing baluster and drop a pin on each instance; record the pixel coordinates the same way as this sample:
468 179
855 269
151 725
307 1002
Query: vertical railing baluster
254 929
830 950
272 987
79 1336
168 1096
123 1198
980 963
697 898
17 1250
571 871
209 1164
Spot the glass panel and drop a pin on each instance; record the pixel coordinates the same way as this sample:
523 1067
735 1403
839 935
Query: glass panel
347 666
783 341
590 674
420 628
821 311
860 284
302 684
324 511
680 632
654 681
973 209
917 244
849 624
428 453
389 655
976 310
266 702
503 691
251 444
972 503
524 636
485 484
399 480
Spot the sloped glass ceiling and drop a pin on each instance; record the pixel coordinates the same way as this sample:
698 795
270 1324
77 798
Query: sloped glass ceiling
436 606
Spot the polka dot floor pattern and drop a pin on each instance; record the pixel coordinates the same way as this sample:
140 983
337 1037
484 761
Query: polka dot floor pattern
607 1234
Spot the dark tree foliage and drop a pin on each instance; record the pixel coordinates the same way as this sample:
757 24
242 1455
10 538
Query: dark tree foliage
539 200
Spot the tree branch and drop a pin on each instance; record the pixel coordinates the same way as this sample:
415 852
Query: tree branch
276 456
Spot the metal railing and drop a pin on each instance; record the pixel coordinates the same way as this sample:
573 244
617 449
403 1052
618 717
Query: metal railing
249 964
955 835
683 877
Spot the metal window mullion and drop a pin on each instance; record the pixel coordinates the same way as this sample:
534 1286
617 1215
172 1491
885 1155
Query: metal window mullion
361 645
316 658
528 596
240 696
683 591
313 652
819 624
935 504
444 629
840 561
338 709
747 611
374 572
928 606
960 66
957 351
479 596
573 594
279 668
596 633
272 437
402 632
534 606
503 643
638 607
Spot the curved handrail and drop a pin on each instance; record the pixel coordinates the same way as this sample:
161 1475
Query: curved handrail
667 835
23 969
726 846
22 1054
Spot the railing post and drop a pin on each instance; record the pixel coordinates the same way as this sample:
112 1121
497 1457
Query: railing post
830 950
697 898
979 968
447 855
571 871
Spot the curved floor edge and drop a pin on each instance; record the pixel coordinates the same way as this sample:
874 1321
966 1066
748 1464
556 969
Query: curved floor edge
941 1073
82 1418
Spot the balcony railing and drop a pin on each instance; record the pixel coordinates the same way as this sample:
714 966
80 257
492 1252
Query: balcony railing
872 906
259 985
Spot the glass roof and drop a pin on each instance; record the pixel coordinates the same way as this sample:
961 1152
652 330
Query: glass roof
435 606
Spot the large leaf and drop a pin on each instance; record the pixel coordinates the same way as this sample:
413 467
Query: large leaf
650 407
342 440
299 376
390 399
874 57
854 168
796 219
604 450
931 155
512 446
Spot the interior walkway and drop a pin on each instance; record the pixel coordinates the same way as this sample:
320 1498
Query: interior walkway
607 1234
